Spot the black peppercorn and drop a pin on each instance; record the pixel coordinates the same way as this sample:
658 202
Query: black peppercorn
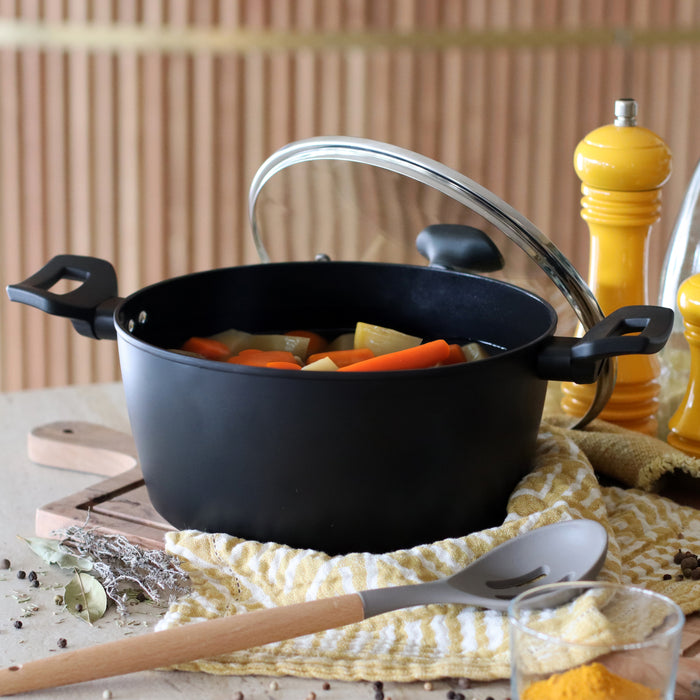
5 564
62 643
32 576
34 584
21 574
689 562
18 624
667 577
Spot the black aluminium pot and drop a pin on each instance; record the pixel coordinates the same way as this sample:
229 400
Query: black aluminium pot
329 461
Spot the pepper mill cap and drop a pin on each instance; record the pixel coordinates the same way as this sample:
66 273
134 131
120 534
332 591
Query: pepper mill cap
623 157
689 300
625 112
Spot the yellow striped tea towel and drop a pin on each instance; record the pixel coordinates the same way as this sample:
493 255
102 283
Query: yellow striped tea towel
231 576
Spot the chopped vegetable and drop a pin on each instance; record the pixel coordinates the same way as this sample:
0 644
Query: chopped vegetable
342 358
245 354
237 340
234 339
345 341
474 351
210 348
456 355
270 341
325 364
317 343
262 358
283 365
355 351
382 340
418 357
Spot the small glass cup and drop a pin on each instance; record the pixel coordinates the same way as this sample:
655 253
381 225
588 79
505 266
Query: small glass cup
583 635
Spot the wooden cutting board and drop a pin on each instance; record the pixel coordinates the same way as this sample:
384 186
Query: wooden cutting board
117 505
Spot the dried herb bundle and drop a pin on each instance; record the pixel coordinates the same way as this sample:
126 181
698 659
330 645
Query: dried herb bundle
125 569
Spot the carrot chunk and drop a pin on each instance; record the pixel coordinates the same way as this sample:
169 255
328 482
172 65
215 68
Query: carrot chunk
418 357
456 355
343 358
248 352
209 348
283 365
262 358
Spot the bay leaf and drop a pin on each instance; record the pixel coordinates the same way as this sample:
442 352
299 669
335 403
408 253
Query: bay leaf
85 597
53 552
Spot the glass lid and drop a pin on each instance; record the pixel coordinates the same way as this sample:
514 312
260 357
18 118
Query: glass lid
348 198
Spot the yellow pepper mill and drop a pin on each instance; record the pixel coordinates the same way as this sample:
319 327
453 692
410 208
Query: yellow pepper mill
622 167
684 426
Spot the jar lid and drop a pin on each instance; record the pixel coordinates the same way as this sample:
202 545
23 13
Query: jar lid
354 198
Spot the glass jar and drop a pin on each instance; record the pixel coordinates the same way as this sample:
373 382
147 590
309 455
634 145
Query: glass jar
682 261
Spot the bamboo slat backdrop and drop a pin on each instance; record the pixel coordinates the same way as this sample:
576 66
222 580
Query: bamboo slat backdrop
130 129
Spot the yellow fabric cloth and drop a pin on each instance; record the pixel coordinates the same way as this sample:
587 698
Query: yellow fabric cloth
232 576
634 459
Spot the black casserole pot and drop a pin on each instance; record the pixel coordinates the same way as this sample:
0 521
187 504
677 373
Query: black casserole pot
358 461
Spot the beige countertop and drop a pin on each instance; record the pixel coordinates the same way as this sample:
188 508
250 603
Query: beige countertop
27 486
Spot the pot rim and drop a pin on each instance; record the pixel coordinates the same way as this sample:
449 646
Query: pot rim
125 325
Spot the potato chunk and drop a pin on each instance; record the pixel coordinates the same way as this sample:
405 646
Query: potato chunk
382 340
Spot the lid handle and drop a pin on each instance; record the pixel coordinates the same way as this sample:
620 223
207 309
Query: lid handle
459 247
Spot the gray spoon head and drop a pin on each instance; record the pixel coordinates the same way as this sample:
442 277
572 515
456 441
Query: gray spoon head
571 550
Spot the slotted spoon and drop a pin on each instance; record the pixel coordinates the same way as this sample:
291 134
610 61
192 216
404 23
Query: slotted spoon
566 551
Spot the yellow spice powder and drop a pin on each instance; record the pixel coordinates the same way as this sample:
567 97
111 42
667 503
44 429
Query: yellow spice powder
589 682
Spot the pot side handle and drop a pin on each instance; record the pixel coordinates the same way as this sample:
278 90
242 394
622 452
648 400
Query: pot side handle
90 306
630 330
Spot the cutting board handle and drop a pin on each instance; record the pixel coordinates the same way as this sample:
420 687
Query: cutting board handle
82 446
